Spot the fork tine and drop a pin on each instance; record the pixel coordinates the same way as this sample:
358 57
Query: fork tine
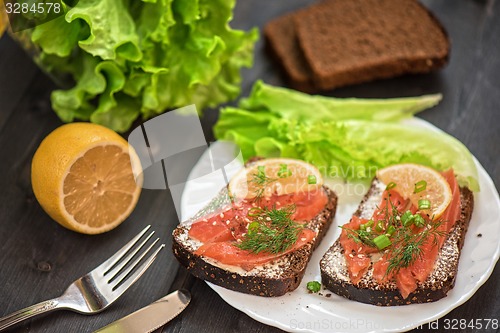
130 267
128 281
114 271
105 266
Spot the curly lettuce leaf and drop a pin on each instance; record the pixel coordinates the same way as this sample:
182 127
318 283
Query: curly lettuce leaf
74 103
154 23
117 111
112 30
131 59
61 44
203 56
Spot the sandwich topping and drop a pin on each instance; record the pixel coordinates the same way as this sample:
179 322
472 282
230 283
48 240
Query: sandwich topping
401 240
260 224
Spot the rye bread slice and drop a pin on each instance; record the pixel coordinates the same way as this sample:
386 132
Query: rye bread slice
276 278
282 43
335 277
353 41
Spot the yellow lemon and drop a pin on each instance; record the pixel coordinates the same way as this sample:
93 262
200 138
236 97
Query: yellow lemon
418 182
274 176
83 176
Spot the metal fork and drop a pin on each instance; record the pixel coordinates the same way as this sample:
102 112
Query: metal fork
96 290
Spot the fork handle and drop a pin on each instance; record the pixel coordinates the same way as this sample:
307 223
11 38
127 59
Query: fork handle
28 312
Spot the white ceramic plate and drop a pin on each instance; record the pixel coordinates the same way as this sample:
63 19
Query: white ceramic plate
300 311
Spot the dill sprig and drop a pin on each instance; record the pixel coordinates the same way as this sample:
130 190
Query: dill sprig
261 180
407 245
407 242
360 236
272 230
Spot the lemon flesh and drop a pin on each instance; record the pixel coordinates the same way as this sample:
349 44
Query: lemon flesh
83 176
406 176
274 176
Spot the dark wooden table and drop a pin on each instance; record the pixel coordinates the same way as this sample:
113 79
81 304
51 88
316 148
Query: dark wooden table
38 258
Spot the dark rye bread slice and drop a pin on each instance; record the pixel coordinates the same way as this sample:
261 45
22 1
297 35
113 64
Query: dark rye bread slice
272 279
282 42
334 270
353 41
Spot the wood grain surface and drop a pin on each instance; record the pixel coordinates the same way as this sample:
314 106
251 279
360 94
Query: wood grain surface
38 258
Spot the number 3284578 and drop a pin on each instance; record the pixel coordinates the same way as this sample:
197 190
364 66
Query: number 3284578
33 8
478 324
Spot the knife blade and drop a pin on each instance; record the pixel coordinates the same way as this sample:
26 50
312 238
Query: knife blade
151 317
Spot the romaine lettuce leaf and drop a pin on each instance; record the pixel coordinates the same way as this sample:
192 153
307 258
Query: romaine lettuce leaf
351 145
296 105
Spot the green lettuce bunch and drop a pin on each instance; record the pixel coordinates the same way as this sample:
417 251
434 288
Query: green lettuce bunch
349 138
141 57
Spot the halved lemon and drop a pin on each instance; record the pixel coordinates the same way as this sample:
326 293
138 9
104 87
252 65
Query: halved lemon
418 182
274 176
83 176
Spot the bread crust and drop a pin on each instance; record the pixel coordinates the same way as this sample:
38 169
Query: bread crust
381 39
378 52
283 279
283 45
441 280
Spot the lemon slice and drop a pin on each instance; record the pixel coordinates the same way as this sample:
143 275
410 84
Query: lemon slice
411 179
274 176
83 177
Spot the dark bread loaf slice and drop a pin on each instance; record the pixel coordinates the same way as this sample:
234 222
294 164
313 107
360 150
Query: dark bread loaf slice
276 278
281 41
353 41
335 277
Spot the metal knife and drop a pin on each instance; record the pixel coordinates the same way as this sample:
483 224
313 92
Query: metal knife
151 317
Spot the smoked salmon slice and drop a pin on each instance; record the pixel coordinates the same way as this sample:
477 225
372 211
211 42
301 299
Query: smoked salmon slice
212 230
228 254
406 282
424 265
406 278
221 232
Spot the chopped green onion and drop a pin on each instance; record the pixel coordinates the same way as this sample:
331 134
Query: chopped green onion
390 186
284 172
419 220
420 186
313 286
424 204
390 230
366 237
311 179
254 211
366 225
380 226
382 241
254 226
409 222
407 218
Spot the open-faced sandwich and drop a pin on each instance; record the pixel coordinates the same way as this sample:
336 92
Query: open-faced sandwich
403 244
258 234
